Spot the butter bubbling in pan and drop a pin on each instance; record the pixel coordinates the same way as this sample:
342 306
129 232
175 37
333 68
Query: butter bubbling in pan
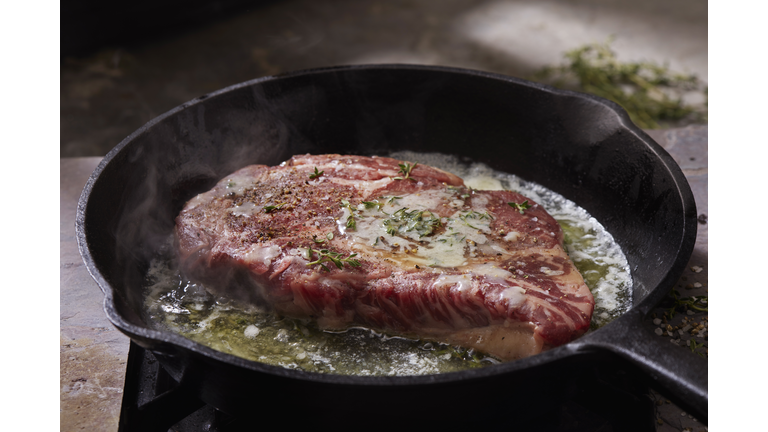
178 305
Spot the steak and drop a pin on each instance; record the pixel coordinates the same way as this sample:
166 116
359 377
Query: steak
399 248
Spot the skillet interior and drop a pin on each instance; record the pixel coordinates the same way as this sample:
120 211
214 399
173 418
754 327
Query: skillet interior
582 147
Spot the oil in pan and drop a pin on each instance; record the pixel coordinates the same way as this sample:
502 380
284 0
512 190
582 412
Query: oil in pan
181 306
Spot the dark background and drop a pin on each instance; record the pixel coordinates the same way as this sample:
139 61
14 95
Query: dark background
123 64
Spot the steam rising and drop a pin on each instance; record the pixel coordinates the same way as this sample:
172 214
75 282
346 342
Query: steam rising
185 152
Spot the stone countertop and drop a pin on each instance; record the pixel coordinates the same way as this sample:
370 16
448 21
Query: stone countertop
93 353
689 147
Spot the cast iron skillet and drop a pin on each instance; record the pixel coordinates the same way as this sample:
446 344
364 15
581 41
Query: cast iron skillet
581 146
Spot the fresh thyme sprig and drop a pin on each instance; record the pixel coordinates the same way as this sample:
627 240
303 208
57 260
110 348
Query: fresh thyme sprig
406 169
423 222
694 346
326 255
271 208
316 174
474 215
651 94
696 303
520 207
351 223
372 204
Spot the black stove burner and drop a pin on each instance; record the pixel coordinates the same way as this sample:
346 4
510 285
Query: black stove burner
605 400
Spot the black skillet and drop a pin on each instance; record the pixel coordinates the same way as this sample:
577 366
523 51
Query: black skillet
581 146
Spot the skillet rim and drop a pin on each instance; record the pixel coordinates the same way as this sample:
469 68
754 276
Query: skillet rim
155 339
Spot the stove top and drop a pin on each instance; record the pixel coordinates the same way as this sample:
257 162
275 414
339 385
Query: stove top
604 399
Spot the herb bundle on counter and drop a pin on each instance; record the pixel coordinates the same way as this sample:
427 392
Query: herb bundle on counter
651 94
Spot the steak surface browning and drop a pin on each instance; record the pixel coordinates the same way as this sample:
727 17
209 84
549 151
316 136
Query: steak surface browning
403 249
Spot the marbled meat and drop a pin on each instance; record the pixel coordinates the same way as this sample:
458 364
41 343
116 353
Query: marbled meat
401 248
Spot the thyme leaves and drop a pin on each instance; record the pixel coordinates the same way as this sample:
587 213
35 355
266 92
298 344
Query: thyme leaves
271 208
424 222
520 207
474 215
328 236
372 204
651 94
351 223
316 174
326 255
695 303
406 169
694 346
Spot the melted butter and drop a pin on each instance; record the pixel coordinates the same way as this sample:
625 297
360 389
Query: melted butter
593 250
490 270
262 255
237 185
462 239
460 283
513 295
175 304
484 183
245 209
365 187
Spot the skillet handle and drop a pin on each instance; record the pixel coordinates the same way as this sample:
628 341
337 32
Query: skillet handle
672 370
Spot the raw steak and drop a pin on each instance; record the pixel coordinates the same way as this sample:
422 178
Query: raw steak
403 249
